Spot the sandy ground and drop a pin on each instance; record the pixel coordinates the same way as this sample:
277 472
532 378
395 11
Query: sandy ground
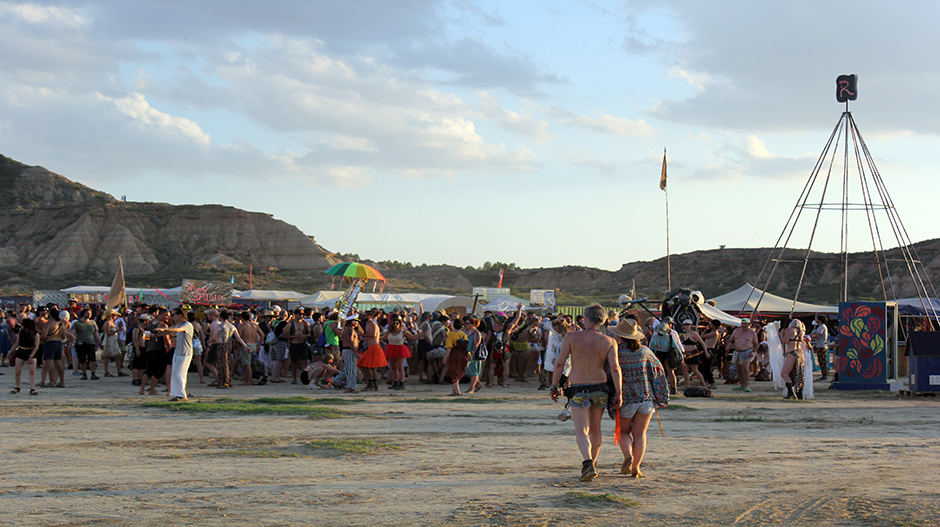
89 454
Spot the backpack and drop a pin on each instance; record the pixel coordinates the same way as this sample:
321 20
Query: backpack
481 353
498 345
661 342
461 346
321 340
664 343
697 391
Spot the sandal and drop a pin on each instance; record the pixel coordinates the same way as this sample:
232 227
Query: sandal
15 390
32 391
108 375
60 385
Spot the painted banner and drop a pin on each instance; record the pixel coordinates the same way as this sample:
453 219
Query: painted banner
208 293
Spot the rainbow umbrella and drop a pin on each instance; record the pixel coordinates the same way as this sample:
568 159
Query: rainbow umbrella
355 270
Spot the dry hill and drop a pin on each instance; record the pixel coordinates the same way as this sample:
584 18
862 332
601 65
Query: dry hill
58 233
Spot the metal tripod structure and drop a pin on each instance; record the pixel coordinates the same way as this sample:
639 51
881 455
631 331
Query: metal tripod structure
847 140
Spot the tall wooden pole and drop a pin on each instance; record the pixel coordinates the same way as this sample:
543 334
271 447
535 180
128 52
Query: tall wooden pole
668 262
665 188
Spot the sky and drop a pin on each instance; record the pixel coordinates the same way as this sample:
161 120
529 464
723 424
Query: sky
461 131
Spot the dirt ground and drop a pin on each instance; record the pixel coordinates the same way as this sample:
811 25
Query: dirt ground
90 454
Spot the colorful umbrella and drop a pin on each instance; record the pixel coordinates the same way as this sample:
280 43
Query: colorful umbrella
355 270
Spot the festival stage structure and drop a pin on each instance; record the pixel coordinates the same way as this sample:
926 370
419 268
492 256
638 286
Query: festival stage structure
845 180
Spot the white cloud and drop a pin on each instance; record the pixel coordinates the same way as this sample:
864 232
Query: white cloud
43 15
768 67
139 109
749 157
593 164
696 78
512 121
603 123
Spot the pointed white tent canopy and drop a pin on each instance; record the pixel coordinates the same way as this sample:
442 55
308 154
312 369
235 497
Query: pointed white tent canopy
737 301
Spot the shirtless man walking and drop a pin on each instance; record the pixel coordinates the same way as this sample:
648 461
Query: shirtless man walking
743 343
296 332
249 331
589 350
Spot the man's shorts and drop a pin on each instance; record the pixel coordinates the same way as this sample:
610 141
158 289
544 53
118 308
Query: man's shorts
628 410
742 356
213 354
280 350
52 350
86 352
423 348
299 352
587 395
244 356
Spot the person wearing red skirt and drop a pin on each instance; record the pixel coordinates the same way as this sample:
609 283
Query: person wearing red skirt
374 357
396 351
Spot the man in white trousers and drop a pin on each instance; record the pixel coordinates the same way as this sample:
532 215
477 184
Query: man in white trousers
183 354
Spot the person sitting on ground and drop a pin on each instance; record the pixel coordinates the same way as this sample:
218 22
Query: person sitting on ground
317 372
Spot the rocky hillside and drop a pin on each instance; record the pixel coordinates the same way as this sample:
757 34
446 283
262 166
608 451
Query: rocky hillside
713 272
55 233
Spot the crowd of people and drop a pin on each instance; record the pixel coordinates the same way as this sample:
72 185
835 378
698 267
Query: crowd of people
582 357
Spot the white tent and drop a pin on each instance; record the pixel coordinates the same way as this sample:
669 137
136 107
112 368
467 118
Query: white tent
266 295
323 299
714 313
737 301
461 304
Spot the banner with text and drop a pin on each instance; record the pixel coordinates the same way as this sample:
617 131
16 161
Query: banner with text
209 293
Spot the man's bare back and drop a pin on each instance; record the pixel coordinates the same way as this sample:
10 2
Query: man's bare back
250 332
589 351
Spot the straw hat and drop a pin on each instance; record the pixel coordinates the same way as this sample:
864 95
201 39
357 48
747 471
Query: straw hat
113 312
627 329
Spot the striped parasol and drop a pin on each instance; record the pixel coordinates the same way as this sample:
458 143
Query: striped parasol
355 270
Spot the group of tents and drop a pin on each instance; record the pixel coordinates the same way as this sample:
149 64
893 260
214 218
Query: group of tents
741 301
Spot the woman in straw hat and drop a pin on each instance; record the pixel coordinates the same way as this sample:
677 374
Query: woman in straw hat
644 389
112 344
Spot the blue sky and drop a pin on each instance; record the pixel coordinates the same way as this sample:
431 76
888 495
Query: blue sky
462 132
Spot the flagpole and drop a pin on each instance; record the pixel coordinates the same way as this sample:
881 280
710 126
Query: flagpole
668 262
123 284
665 188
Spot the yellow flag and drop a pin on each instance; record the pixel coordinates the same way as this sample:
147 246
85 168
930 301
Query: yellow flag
116 295
662 178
